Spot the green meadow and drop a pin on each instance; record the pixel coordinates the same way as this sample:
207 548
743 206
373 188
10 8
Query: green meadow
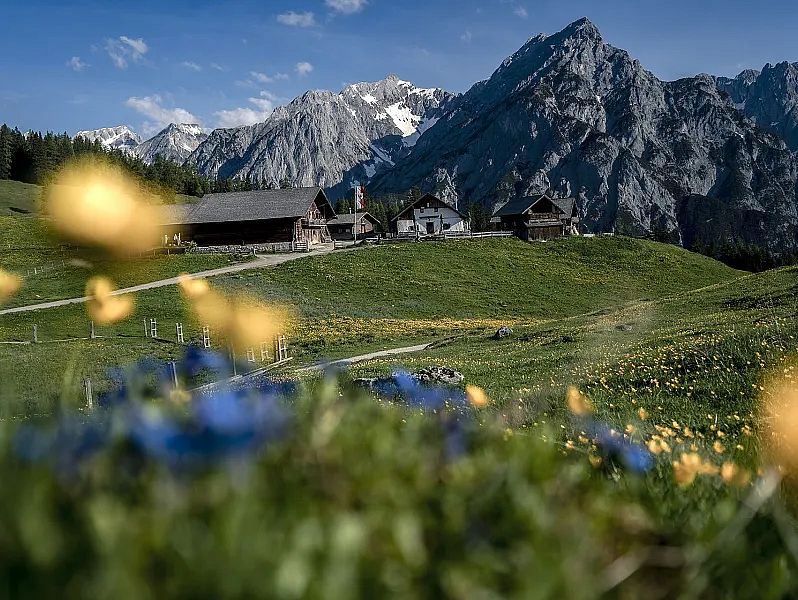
672 352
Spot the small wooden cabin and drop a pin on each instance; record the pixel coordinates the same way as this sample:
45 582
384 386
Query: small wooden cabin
429 215
538 217
256 217
342 227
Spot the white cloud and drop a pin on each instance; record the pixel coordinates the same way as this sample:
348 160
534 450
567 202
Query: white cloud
136 45
256 77
245 115
76 64
466 37
217 67
295 19
124 50
158 116
304 68
346 7
520 11
191 65
260 77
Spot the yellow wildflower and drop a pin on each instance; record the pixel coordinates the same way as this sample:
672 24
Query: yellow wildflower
103 306
193 288
734 475
578 403
97 204
476 396
689 466
658 446
9 285
642 413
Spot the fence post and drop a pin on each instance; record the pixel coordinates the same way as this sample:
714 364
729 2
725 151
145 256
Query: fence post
153 328
88 393
173 366
206 337
180 339
92 333
35 334
146 331
264 352
251 355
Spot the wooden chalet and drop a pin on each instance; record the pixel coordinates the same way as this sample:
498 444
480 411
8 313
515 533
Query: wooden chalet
256 217
343 226
538 217
429 215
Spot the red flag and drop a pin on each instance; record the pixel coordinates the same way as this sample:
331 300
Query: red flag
360 197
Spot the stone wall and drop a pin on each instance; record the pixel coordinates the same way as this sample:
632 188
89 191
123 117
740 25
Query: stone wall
274 248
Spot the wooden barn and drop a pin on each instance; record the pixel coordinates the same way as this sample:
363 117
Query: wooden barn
256 217
538 217
430 215
343 226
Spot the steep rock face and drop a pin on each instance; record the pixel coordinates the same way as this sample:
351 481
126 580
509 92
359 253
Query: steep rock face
572 114
174 143
116 138
327 139
769 98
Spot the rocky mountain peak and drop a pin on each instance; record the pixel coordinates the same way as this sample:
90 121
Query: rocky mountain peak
120 137
572 113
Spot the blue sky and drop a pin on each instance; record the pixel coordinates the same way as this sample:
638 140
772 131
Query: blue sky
85 64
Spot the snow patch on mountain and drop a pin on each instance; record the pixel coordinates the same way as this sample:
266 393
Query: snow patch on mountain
325 138
121 137
176 142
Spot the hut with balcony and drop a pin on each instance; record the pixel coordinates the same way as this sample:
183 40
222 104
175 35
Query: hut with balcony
343 227
296 215
429 216
538 217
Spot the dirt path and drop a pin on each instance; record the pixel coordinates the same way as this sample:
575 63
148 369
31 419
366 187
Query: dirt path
260 262
345 362
248 380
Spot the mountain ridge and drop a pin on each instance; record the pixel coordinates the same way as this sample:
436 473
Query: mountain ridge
568 114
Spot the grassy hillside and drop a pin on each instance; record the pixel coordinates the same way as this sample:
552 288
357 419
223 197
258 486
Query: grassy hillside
53 272
496 278
351 302
18 198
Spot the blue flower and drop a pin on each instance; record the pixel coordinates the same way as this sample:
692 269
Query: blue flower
197 359
66 445
614 446
218 427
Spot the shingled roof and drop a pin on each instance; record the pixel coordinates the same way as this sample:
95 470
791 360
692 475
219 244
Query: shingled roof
259 205
349 218
520 206
427 198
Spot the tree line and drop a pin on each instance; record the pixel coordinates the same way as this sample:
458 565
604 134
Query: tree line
33 157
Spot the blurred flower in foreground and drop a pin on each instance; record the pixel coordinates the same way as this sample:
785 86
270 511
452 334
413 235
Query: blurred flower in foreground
578 403
9 284
193 288
103 307
214 427
734 475
97 204
476 396
244 322
781 406
612 446
690 465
